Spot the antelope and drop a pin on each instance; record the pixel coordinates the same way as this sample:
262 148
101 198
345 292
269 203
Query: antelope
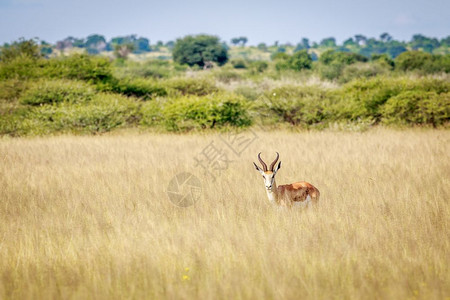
295 194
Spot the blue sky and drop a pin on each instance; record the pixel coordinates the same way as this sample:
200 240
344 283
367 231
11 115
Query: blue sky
259 21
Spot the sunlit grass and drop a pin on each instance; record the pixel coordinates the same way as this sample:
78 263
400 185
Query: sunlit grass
89 217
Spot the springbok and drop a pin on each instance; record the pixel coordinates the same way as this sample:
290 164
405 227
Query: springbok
295 194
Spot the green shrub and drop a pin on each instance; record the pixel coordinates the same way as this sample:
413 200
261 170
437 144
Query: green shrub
238 63
150 69
151 113
11 89
226 76
258 66
21 68
20 49
300 60
77 67
383 59
298 105
332 63
55 91
364 98
103 113
413 60
191 86
363 70
417 107
337 57
423 62
138 87
211 111
93 69
279 56
248 92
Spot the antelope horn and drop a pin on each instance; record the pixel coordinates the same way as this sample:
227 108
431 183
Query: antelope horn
262 163
274 162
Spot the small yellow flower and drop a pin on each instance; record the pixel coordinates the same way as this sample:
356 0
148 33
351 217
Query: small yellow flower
186 278
186 269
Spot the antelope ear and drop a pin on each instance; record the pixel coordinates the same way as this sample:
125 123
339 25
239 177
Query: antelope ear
277 167
258 169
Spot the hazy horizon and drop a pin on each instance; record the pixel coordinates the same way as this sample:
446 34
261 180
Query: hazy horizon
268 21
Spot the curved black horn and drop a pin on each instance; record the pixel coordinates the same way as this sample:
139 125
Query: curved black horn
274 162
262 163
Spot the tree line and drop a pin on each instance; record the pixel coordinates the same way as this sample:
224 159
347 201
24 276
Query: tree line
360 44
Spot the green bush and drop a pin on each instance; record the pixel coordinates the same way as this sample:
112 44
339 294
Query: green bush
151 113
92 69
364 98
417 107
150 69
298 105
423 62
248 92
238 63
258 66
22 68
55 91
77 67
191 86
212 111
138 87
363 70
11 89
103 113
226 76
337 57
298 61
20 49
332 63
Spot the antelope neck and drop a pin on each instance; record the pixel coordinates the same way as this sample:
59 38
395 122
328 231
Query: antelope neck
272 193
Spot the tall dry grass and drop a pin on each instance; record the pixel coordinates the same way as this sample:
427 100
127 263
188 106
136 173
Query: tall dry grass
89 217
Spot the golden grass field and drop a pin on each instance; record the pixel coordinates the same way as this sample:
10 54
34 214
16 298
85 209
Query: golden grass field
89 218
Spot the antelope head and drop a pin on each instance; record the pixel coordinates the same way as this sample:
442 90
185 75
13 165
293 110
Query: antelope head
268 174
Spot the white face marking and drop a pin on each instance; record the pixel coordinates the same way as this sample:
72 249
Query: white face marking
269 180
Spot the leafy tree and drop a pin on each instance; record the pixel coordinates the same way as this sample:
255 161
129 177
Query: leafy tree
239 40
385 37
262 46
422 42
46 48
328 42
336 57
123 50
300 60
349 42
20 48
423 61
95 43
360 39
197 50
384 59
446 41
140 45
170 44
235 41
304 44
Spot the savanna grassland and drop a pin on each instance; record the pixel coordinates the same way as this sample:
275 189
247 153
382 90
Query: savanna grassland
88 217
